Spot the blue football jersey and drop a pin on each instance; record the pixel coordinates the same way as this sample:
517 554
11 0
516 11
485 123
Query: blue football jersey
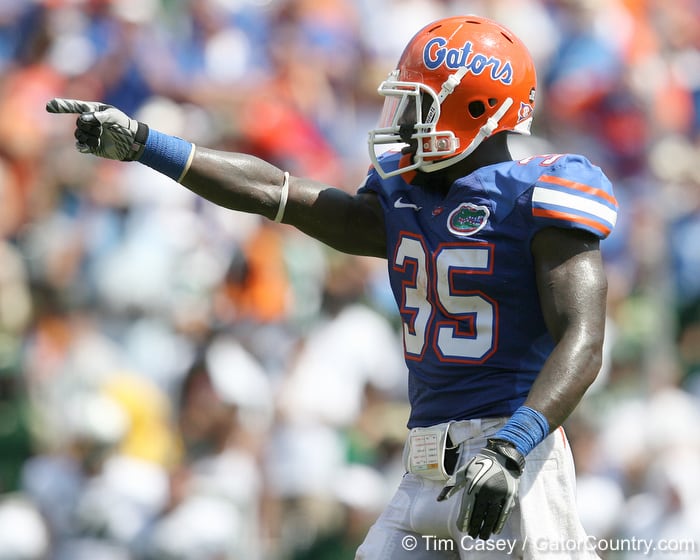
463 276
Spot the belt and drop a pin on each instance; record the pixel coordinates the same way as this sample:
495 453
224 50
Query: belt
463 430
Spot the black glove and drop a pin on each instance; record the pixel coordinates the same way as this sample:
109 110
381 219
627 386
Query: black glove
490 483
103 130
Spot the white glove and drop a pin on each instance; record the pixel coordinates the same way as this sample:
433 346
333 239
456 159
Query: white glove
490 482
103 130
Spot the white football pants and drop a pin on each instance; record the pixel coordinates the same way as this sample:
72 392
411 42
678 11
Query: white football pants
544 523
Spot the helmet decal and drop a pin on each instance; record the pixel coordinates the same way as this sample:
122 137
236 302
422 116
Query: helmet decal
525 111
435 55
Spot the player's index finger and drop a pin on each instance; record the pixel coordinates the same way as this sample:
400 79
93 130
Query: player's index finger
59 105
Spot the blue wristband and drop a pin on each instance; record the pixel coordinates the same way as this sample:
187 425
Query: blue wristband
167 154
525 429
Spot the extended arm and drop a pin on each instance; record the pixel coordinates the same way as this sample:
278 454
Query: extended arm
352 224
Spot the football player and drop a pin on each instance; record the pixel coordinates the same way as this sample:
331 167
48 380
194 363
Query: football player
496 270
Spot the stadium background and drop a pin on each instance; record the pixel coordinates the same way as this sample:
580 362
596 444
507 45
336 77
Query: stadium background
182 382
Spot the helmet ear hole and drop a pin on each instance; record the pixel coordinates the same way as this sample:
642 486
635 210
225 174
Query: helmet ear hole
476 109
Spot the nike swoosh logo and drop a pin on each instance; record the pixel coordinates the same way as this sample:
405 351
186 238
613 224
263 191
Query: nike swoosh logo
400 204
486 464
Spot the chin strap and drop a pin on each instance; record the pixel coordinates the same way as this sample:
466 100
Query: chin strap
484 132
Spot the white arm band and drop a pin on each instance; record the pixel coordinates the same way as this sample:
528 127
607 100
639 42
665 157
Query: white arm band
284 194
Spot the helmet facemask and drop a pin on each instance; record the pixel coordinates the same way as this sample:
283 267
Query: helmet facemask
410 116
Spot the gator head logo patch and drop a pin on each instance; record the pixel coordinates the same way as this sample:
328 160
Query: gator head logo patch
467 219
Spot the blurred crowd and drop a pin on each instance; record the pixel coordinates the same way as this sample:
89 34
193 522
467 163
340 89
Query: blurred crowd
183 382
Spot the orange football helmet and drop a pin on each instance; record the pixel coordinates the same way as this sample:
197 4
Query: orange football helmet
458 81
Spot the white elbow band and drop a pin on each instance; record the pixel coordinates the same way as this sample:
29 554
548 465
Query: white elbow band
284 195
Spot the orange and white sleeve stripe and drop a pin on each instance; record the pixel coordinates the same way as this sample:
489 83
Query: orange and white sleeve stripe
593 208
